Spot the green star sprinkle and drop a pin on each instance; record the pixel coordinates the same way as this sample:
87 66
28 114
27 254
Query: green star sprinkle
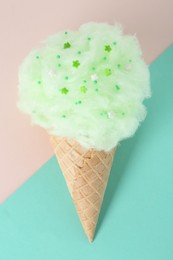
76 63
64 116
64 91
93 68
89 38
123 114
96 89
67 45
118 65
114 43
95 81
79 52
117 87
65 33
83 89
39 82
104 58
66 77
107 72
108 48
85 81
78 102
37 57
58 56
59 65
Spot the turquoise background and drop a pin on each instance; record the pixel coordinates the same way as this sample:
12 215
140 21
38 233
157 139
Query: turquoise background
39 221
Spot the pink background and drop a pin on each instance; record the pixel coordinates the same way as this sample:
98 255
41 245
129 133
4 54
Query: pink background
24 148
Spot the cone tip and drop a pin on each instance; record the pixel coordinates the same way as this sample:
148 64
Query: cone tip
90 238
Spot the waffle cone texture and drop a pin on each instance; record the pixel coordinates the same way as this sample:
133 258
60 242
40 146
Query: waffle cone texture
86 173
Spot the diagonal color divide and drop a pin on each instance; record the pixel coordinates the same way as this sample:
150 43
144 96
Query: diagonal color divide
39 221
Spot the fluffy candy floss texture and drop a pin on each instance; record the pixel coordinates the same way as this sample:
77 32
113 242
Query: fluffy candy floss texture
88 85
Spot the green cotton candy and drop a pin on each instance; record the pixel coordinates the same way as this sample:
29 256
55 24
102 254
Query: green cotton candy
88 85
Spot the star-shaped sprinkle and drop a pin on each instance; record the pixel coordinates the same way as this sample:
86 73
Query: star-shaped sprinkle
110 114
76 63
107 72
108 48
83 89
52 73
64 91
128 66
94 77
67 45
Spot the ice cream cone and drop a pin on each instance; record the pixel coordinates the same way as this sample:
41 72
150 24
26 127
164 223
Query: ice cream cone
89 84
86 174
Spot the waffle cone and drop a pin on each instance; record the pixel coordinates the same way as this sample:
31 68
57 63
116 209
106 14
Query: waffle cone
86 174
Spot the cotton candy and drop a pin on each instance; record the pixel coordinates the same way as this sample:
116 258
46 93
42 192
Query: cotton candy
88 85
